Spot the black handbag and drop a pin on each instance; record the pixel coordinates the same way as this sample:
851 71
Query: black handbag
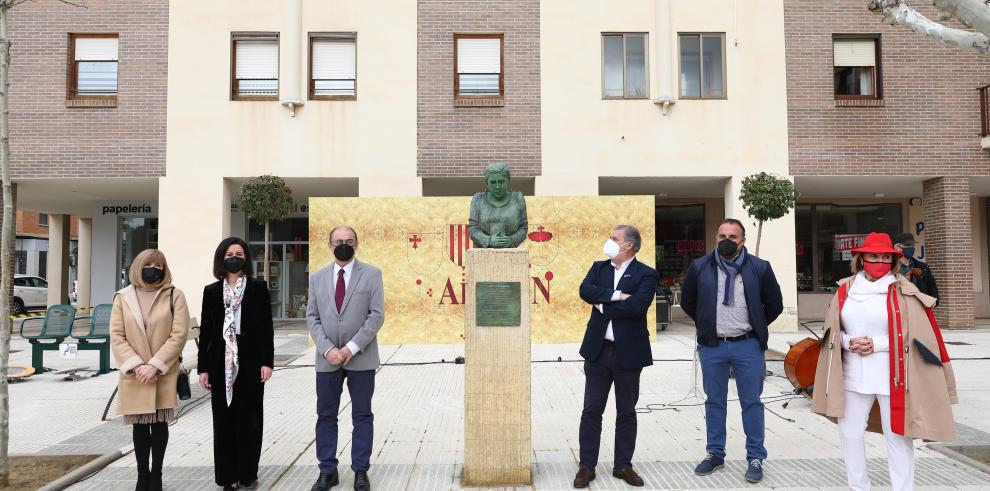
182 381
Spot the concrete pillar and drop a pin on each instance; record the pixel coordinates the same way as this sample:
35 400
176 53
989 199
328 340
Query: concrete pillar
776 246
58 259
949 249
568 185
84 263
390 186
191 222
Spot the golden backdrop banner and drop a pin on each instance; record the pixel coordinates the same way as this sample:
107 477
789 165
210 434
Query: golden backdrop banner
420 244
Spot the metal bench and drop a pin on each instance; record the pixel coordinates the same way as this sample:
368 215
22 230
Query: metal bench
56 325
97 337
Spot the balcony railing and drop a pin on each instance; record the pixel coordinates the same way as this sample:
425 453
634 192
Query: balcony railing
985 110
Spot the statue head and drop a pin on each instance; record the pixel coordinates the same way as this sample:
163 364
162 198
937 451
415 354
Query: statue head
497 180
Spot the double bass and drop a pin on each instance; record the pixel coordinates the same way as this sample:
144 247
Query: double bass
801 362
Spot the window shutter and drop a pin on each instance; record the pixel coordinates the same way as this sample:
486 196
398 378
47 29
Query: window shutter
257 59
854 52
334 59
479 55
96 49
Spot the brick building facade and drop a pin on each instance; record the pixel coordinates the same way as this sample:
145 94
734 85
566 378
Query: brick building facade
922 126
457 141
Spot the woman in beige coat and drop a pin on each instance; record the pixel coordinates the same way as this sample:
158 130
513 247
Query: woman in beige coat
883 366
148 328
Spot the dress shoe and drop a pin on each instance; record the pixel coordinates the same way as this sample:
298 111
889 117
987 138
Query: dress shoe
628 475
252 484
361 482
584 477
325 482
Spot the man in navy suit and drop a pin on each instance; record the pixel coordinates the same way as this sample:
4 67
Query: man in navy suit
615 349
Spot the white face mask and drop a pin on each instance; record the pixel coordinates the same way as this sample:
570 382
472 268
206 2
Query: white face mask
611 249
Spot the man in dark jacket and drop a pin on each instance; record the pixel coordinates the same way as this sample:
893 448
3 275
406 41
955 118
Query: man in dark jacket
615 349
913 269
733 297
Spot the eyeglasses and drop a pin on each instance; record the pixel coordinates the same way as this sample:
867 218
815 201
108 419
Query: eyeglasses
349 242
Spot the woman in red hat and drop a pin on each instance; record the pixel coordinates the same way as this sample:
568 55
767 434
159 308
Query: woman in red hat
883 366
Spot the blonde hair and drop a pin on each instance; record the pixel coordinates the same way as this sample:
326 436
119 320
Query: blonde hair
143 259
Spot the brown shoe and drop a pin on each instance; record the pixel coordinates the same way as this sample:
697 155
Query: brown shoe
584 477
629 476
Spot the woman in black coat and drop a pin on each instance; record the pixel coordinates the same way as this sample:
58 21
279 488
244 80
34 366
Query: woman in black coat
236 351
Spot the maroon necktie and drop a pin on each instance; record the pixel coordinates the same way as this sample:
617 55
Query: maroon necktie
339 292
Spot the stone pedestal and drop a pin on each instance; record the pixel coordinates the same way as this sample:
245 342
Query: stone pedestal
497 397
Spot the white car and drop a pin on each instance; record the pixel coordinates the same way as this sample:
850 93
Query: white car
29 292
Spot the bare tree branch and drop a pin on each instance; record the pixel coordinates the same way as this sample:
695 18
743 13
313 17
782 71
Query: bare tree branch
974 14
897 12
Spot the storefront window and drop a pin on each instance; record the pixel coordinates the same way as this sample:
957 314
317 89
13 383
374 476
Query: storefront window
136 235
680 240
288 256
832 231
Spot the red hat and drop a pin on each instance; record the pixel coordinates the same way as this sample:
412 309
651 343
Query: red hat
878 243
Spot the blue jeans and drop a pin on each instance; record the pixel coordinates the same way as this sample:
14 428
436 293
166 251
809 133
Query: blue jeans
749 366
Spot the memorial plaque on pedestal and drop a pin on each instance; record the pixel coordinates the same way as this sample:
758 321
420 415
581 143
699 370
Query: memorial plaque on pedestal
497 303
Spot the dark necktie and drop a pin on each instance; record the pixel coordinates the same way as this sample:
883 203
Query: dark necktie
339 292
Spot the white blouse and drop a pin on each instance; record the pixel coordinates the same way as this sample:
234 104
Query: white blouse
865 314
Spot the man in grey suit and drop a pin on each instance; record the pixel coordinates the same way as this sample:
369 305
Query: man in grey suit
346 308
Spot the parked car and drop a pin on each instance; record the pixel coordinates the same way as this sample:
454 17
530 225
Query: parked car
29 292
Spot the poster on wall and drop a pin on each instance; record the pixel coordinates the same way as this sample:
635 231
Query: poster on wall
843 244
420 244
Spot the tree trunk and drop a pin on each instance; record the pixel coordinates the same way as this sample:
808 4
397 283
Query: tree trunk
973 13
759 235
5 242
266 251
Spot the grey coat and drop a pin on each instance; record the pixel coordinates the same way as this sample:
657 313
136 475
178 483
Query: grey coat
362 316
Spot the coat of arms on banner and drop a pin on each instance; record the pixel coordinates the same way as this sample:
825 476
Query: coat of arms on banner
542 246
424 251
459 241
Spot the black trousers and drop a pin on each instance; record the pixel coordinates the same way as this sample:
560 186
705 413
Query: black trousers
237 429
599 376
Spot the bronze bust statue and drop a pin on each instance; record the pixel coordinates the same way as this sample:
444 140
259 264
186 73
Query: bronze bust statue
498 216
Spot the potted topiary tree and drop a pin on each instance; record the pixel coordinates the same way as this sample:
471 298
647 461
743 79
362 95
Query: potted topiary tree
264 199
767 197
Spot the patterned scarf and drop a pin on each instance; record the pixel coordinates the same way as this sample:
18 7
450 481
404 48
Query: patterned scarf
231 307
731 269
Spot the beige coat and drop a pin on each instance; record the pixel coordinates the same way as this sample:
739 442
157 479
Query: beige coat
159 344
924 388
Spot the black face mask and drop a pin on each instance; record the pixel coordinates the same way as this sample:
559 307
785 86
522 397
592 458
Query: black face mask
152 275
233 264
343 252
727 248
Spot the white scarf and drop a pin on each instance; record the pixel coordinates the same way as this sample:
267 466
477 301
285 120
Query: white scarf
863 289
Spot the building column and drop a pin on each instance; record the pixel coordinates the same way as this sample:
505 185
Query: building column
776 246
568 185
193 217
58 259
389 186
949 249
84 263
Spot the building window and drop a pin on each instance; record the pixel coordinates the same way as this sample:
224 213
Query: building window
479 66
855 68
43 219
20 267
827 233
702 66
624 66
254 69
92 68
333 66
